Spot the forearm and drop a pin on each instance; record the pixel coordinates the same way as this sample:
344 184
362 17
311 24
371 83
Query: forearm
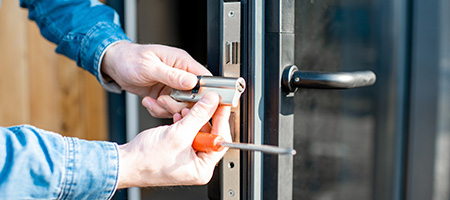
45 165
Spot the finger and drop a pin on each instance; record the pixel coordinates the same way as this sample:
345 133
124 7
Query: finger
211 158
172 105
199 114
173 77
154 109
196 68
180 59
177 117
220 121
221 127
185 111
165 91
156 90
185 62
206 128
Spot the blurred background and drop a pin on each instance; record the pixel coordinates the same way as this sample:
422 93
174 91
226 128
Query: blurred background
42 88
388 141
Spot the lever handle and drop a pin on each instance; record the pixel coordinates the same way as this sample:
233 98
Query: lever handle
293 79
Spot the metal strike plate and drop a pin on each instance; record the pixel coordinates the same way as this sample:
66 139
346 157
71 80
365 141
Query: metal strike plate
231 41
231 67
229 90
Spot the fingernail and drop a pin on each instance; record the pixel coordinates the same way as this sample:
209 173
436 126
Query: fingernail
149 105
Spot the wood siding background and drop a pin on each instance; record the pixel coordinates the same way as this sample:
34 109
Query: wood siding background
42 88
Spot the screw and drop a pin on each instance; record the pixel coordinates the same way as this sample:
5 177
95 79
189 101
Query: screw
231 13
297 79
192 96
240 87
230 192
231 165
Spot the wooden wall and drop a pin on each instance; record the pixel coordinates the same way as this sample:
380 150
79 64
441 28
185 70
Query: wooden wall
42 88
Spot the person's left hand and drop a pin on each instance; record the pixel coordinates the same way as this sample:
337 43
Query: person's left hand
151 71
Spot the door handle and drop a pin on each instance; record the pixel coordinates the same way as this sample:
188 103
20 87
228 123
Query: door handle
294 78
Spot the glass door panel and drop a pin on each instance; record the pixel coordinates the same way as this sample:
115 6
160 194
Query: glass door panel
335 130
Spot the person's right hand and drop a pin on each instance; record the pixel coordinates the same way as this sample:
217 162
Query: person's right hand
151 71
164 156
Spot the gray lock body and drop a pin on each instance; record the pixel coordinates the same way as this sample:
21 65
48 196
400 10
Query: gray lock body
229 90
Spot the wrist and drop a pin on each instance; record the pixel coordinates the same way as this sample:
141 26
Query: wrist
108 62
125 167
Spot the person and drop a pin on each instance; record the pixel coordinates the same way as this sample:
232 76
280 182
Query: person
35 163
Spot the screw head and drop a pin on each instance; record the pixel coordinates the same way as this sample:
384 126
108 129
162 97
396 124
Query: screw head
231 192
296 79
231 165
231 13
192 96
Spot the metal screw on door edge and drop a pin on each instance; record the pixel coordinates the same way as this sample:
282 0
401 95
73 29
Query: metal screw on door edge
231 13
240 87
231 193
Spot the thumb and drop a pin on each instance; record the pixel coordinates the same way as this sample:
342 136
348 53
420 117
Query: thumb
175 78
199 115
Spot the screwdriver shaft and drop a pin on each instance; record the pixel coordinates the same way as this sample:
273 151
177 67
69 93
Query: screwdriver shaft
263 148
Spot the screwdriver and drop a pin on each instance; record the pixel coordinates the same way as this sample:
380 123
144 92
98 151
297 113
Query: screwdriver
206 142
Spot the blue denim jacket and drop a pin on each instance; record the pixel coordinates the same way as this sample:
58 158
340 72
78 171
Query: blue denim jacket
39 164
82 30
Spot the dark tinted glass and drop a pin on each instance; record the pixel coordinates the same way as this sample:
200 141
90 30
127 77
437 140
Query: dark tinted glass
334 129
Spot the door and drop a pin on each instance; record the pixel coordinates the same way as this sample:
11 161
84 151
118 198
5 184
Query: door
386 141
276 35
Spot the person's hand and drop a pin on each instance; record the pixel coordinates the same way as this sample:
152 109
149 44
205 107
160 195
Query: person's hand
164 156
151 71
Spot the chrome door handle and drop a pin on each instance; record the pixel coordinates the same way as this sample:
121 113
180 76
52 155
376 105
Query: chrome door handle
293 79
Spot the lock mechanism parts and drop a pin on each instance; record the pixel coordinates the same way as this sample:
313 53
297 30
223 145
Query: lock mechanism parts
229 90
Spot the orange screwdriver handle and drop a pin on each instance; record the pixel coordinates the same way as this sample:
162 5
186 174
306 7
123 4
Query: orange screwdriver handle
207 142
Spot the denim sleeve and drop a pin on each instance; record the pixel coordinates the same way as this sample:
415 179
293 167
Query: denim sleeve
38 164
82 29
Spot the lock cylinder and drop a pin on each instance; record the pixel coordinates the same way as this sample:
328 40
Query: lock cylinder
229 90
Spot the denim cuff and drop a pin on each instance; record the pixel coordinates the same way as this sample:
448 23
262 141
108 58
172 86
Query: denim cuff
95 44
110 86
91 169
